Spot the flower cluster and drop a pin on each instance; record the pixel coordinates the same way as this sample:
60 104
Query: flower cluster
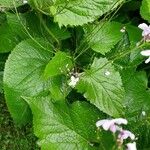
146 37
113 125
73 81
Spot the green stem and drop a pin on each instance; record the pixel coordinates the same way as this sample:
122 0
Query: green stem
92 33
48 30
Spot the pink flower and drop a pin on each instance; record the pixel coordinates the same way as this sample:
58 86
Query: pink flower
131 146
146 31
112 124
124 134
146 53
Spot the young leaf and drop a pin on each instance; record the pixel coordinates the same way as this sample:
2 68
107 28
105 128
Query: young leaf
63 126
77 12
58 65
145 10
23 76
104 36
102 86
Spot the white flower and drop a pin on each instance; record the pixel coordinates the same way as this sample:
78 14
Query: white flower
73 81
123 30
146 53
143 113
25 1
131 146
107 73
146 31
111 125
124 134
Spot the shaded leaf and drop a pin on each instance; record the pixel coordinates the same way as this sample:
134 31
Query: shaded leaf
135 84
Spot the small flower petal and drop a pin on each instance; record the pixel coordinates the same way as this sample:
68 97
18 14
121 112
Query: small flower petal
147 60
25 1
107 124
100 122
145 28
113 128
124 134
73 81
120 121
145 53
131 146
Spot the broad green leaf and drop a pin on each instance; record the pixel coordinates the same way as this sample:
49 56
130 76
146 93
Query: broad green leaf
102 86
103 37
23 76
65 126
145 10
59 64
75 12
136 93
11 3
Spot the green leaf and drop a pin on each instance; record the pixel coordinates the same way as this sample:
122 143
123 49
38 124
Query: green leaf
8 39
1 81
24 24
23 76
104 36
60 33
63 126
102 86
34 26
59 88
124 52
11 3
121 47
136 93
145 10
75 12
59 64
